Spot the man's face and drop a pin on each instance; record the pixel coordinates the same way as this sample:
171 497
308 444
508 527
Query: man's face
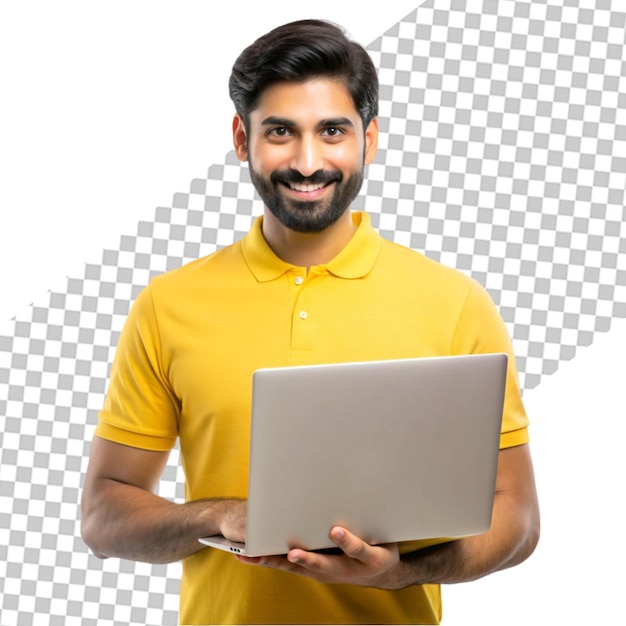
306 150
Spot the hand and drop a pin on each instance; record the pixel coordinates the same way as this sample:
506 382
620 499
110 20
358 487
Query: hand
360 563
232 522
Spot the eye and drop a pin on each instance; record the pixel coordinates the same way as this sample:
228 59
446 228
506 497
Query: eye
279 131
333 131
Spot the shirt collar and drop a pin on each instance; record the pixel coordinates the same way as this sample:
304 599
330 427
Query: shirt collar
354 261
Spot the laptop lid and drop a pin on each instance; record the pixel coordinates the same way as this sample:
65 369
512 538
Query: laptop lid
393 450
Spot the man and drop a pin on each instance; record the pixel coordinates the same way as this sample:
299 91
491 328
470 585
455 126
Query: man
312 282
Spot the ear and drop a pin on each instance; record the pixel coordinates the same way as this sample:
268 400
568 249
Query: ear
240 140
371 141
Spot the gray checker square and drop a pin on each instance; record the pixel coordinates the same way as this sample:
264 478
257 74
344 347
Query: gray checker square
503 135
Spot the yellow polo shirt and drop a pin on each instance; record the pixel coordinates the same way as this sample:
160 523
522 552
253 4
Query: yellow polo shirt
183 369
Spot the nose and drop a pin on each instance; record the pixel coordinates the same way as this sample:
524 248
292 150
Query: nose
308 156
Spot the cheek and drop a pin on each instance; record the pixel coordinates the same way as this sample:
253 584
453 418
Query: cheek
269 159
348 158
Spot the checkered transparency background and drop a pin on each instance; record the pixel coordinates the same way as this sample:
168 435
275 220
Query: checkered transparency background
503 153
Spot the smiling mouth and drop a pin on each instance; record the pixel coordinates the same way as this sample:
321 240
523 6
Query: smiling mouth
302 188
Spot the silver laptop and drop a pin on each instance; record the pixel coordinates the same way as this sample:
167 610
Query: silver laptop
392 450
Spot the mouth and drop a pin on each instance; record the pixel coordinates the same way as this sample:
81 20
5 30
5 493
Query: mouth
308 188
304 188
307 191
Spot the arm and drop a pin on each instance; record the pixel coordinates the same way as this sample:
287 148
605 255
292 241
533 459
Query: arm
122 517
511 539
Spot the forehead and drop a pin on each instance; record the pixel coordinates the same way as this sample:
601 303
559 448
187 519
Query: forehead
306 102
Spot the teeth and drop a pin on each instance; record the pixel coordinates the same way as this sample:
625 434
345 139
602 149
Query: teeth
305 188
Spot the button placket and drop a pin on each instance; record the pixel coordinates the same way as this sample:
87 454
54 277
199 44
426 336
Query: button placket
303 328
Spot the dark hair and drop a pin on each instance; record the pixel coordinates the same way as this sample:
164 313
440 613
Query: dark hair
299 51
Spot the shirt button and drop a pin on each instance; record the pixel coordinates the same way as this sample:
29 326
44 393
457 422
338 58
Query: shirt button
299 280
303 315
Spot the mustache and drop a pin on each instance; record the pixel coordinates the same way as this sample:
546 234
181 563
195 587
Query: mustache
290 176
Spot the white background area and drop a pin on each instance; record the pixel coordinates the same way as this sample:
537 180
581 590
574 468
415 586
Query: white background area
108 109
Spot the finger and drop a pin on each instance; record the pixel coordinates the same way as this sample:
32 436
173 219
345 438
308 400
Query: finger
309 560
250 560
351 545
294 564
275 562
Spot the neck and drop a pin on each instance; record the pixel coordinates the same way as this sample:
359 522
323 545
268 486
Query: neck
307 249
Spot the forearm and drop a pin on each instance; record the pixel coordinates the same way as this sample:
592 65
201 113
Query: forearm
511 539
129 522
454 562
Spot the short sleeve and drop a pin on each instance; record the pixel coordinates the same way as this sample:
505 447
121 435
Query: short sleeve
140 408
481 329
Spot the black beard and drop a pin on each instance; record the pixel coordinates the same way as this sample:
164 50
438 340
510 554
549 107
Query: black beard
307 216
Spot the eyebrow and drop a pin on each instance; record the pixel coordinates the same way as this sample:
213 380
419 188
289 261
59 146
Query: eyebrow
337 121
273 120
